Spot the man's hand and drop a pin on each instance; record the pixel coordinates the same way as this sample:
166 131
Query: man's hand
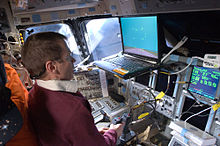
103 130
118 128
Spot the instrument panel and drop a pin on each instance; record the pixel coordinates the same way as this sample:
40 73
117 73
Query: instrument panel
89 84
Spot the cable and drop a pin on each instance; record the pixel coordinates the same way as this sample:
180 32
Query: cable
147 91
166 73
187 110
154 109
142 104
186 66
194 97
193 105
168 80
194 57
155 101
180 82
168 84
79 64
178 45
196 114
152 93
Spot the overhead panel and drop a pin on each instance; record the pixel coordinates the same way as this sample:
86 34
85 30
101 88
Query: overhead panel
43 11
50 5
166 6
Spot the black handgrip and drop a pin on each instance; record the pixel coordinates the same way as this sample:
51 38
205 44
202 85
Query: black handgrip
105 116
127 119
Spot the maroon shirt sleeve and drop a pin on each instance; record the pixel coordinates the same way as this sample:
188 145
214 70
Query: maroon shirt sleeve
83 131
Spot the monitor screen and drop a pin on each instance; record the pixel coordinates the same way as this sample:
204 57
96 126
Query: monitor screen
167 88
204 81
140 35
190 107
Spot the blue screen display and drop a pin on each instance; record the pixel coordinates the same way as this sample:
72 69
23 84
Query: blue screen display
140 35
204 81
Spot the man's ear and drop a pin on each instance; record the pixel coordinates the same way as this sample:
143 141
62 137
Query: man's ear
50 67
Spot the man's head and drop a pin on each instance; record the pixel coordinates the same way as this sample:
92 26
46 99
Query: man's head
46 56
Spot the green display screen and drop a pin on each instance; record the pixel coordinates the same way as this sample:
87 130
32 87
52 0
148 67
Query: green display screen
204 81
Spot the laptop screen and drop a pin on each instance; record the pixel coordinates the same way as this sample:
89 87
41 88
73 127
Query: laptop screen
140 36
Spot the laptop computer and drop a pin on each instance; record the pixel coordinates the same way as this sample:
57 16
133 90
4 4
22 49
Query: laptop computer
141 48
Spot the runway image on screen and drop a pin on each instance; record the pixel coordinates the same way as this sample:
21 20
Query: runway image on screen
204 81
140 35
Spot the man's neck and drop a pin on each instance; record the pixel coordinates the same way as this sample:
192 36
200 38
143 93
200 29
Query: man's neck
58 85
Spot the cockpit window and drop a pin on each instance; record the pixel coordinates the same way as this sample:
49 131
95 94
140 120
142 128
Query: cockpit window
63 29
103 37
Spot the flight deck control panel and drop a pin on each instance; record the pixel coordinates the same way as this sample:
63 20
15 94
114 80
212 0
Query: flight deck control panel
175 104
91 87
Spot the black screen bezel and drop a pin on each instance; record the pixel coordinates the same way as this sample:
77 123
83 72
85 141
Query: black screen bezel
217 90
160 37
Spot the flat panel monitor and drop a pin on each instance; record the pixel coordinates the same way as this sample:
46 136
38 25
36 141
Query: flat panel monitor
162 83
140 36
190 107
205 82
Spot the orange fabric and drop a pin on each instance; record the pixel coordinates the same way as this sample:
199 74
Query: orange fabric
19 95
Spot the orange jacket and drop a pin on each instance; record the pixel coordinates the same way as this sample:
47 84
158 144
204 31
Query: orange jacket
19 95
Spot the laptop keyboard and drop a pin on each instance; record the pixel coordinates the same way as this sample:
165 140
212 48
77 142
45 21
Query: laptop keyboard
128 63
